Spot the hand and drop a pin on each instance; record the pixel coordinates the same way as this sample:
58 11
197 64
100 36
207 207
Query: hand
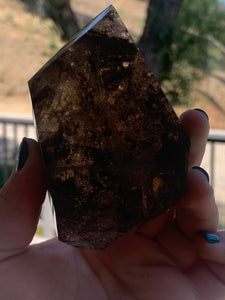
168 258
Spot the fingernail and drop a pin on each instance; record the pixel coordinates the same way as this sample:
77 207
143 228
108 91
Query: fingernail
202 111
203 171
23 154
210 237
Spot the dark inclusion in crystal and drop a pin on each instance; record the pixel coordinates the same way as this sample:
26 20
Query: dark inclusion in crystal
115 152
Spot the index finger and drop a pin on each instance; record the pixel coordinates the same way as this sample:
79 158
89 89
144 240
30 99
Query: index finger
196 123
20 202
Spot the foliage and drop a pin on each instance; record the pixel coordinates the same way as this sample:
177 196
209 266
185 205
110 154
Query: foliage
177 55
156 40
59 11
205 17
196 21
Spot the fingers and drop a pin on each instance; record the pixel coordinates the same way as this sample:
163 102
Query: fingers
196 124
21 199
197 210
151 228
211 251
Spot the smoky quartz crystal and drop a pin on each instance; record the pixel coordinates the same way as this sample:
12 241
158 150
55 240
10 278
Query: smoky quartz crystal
115 152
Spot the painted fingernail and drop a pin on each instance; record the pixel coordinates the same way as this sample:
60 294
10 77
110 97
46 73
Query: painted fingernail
202 170
23 154
202 111
210 237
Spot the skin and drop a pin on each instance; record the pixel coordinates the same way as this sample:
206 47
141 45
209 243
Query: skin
167 258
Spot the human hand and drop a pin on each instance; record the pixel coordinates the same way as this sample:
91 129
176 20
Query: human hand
168 258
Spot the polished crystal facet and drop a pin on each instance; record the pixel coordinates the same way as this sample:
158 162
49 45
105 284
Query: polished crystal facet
115 152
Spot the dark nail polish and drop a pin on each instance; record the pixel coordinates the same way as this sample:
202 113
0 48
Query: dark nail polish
202 111
210 237
203 171
23 154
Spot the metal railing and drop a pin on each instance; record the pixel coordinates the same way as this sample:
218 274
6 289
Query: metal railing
13 129
215 137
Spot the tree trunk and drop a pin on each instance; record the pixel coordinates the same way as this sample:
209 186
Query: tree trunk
156 40
61 13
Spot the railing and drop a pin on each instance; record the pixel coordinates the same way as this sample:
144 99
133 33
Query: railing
215 136
13 129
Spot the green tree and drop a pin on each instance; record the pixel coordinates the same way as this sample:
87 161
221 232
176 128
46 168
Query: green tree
197 21
61 13
175 42
157 38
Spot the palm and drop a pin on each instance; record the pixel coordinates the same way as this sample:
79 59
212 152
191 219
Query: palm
166 267
136 267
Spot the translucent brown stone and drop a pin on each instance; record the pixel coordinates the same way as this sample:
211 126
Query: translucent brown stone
115 152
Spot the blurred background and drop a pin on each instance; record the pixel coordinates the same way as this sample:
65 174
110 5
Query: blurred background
183 43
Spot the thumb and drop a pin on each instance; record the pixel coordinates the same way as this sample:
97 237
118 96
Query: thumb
21 199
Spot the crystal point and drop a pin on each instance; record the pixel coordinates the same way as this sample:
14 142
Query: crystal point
115 152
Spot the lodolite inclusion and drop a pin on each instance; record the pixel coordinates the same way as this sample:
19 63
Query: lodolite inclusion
115 152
